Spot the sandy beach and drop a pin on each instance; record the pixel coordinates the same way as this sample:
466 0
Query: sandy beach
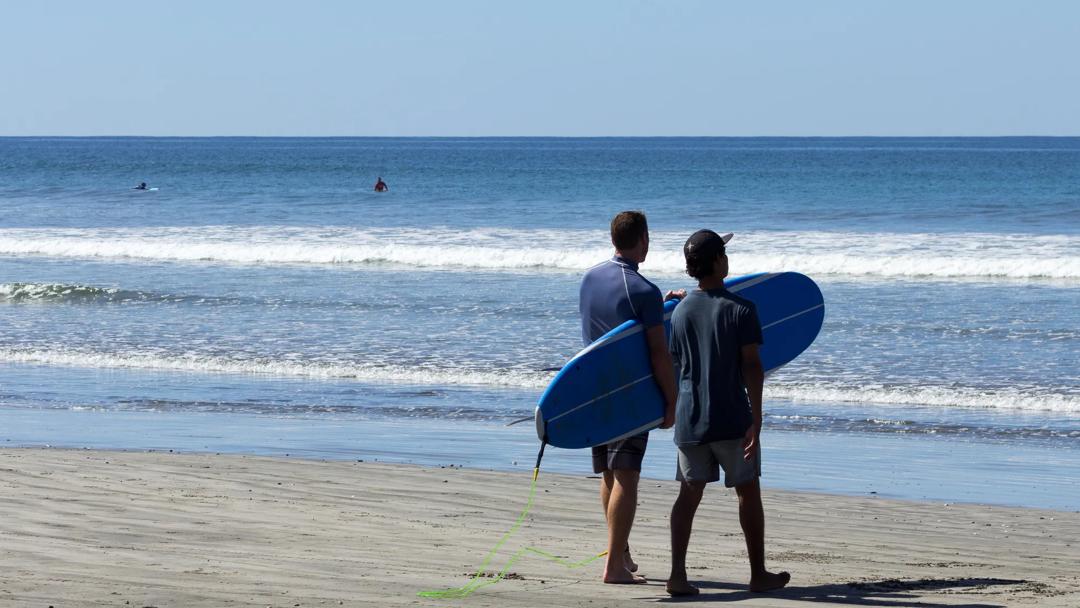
97 528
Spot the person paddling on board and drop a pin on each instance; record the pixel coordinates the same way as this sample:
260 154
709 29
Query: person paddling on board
141 186
612 293
380 186
715 336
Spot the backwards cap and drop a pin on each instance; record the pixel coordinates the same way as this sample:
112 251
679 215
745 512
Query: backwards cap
705 242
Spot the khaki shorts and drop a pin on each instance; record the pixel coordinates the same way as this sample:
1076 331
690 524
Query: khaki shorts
703 463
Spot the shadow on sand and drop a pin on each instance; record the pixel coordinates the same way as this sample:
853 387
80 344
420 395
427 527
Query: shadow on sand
891 593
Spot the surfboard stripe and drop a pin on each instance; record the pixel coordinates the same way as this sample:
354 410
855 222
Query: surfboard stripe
641 429
790 317
752 282
607 394
637 329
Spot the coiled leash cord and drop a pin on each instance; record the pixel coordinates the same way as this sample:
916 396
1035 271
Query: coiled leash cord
482 578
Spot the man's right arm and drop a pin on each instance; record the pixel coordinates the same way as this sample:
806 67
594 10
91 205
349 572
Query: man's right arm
663 370
753 373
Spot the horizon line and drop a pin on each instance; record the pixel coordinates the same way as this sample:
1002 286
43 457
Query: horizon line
116 136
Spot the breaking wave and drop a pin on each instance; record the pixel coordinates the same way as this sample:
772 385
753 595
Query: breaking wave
418 375
887 255
1026 399
59 292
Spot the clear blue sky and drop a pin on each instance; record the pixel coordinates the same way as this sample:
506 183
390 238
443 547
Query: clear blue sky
504 67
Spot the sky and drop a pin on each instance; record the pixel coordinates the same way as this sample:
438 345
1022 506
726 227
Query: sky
543 68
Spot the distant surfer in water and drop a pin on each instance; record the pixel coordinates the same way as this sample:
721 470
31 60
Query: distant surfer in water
611 293
715 336
141 186
380 186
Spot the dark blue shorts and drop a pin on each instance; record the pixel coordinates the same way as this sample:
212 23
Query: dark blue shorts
623 454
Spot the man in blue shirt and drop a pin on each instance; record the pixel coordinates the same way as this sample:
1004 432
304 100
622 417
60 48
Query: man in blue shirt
715 336
612 293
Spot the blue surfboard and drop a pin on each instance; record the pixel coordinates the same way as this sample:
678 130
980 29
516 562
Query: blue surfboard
606 392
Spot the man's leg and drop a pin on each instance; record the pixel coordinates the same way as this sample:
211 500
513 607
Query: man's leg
607 480
682 521
752 518
622 505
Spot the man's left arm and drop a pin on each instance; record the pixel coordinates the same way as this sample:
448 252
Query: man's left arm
650 307
663 370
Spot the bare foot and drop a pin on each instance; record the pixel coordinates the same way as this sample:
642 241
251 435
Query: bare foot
681 588
769 582
622 576
631 565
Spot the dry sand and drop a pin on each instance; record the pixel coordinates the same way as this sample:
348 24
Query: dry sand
93 528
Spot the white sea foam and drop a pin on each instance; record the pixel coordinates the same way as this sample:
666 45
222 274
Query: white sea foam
75 293
884 255
297 369
29 292
1033 400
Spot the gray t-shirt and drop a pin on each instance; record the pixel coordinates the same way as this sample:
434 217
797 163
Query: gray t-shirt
708 331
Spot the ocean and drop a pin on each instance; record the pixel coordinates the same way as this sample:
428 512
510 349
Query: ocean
265 300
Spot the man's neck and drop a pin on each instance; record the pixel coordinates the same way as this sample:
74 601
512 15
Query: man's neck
713 281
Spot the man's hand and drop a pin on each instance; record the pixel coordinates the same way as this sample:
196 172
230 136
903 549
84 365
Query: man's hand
669 417
677 294
751 442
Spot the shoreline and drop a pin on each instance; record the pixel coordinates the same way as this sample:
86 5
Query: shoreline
95 527
1037 474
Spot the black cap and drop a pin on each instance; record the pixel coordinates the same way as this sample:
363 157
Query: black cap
705 242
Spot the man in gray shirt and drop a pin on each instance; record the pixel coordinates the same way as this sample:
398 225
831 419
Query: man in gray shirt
714 343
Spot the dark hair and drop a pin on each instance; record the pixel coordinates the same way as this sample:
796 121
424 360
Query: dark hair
628 228
699 267
701 251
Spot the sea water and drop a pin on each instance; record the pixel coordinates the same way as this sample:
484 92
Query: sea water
265 300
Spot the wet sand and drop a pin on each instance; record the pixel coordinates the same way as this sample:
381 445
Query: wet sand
98 528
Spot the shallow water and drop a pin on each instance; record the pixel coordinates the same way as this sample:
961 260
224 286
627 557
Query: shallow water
263 286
